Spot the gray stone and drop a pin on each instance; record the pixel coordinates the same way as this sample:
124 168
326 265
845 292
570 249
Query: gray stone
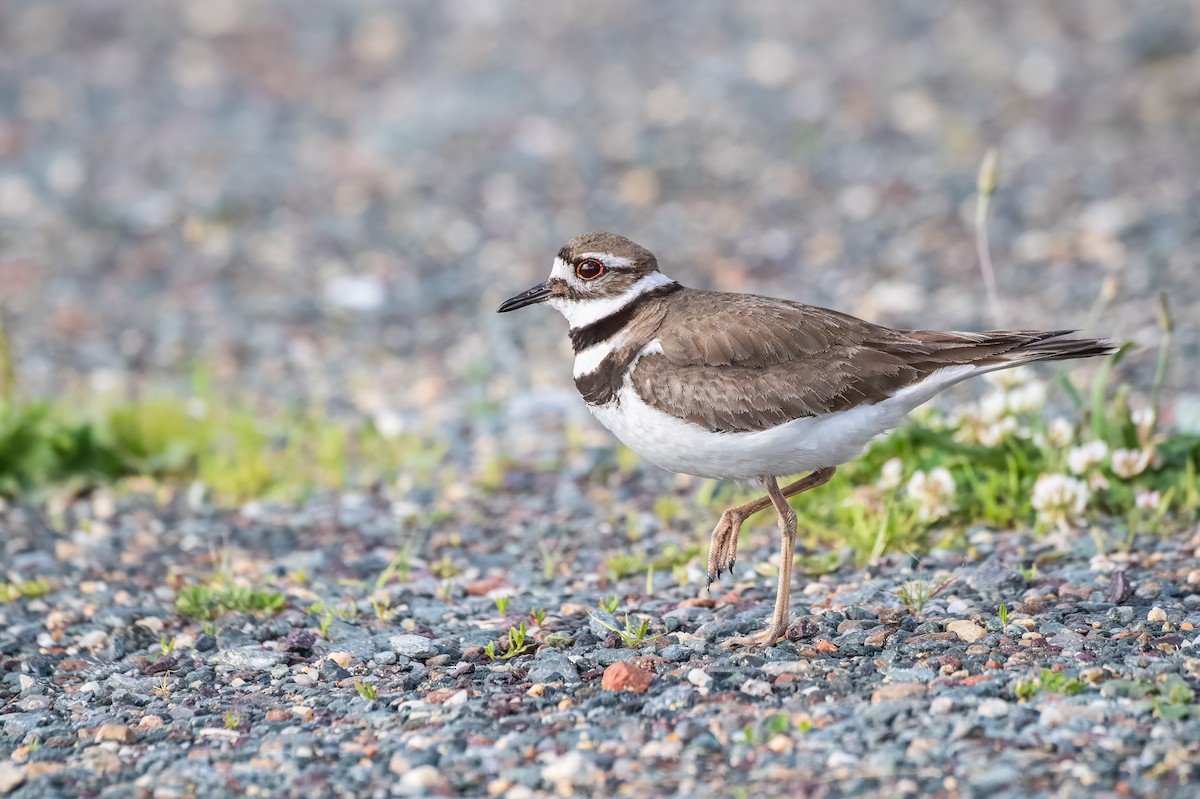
1121 615
249 658
671 700
417 647
551 665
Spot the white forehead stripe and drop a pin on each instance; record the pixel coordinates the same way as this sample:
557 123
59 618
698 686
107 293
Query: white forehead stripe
581 313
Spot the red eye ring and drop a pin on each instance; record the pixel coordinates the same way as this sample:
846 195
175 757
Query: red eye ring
589 269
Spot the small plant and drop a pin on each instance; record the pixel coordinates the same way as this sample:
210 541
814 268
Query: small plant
383 609
666 509
551 556
233 719
27 589
1174 699
443 568
400 567
208 628
610 603
445 590
1003 612
1051 681
366 691
164 686
634 634
324 623
779 724
1025 690
917 592
502 605
622 566
165 646
537 616
517 645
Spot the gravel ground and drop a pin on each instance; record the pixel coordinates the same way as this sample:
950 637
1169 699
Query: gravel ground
862 696
328 200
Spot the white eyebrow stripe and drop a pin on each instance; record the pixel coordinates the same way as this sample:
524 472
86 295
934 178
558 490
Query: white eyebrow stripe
607 258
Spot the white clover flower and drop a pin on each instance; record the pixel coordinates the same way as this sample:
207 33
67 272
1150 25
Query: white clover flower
1147 500
1059 499
891 474
1128 463
1028 398
1143 418
1059 433
997 431
993 406
1008 379
1086 456
934 491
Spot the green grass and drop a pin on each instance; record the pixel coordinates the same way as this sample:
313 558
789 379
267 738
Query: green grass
236 450
209 600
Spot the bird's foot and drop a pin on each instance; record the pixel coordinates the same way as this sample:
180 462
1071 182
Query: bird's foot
764 638
722 547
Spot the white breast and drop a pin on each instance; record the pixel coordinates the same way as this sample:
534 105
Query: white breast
800 445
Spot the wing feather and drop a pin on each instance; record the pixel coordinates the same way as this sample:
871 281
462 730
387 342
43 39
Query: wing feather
747 363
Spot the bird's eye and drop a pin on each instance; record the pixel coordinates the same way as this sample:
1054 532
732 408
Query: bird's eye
589 269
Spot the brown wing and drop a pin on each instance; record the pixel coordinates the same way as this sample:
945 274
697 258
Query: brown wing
737 362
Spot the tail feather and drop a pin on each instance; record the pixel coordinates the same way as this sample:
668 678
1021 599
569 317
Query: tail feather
1001 349
1064 350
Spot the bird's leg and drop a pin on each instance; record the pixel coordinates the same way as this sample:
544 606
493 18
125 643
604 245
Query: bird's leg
787 549
722 547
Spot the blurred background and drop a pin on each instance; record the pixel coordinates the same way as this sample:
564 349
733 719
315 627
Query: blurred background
326 201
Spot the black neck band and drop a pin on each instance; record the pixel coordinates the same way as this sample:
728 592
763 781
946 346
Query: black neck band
609 326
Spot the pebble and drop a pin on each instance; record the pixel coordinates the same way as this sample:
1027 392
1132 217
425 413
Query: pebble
11 777
966 630
1156 614
623 676
993 708
417 647
552 666
894 692
116 732
567 771
700 679
248 658
672 700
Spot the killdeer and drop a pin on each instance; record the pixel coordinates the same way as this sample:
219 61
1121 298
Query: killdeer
744 387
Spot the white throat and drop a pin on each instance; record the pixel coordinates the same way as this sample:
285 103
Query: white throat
581 313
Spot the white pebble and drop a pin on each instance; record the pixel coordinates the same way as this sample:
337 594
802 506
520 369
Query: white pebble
993 708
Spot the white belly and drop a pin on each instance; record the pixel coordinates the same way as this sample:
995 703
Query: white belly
800 445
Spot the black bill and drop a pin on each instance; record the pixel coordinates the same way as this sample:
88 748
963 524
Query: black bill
539 293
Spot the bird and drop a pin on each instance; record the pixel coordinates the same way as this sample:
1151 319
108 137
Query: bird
753 388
